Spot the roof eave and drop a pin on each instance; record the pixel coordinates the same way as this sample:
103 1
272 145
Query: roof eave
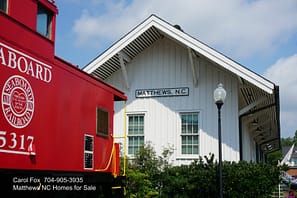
188 41
214 56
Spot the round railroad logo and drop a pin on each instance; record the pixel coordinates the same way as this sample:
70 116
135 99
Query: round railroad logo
17 101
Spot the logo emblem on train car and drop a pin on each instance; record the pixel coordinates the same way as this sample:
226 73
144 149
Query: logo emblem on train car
17 101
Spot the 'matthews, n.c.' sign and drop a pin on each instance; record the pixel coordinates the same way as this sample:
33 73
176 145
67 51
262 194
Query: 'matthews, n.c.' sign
161 92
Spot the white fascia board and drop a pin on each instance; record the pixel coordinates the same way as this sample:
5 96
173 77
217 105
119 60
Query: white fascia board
189 41
215 56
118 46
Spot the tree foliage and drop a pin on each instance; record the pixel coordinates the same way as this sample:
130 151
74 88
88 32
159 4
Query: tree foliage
289 141
152 176
276 156
142 173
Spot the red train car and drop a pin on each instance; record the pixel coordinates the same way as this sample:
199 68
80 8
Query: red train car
56 122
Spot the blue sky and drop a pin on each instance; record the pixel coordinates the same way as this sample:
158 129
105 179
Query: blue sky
259 34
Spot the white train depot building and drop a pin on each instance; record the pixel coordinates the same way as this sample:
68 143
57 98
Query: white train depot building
169 78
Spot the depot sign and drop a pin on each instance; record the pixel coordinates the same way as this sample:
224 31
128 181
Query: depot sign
161 92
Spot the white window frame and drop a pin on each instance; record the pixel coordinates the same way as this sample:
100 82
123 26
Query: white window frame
186 157
89 152
128 135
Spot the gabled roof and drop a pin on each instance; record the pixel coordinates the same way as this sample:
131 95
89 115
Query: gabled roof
289 153
257 96
154 28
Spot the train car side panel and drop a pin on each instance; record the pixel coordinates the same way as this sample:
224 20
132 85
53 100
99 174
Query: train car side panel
47 111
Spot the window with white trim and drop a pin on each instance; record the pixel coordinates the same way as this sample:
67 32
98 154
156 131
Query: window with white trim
135 133
88 151
190 133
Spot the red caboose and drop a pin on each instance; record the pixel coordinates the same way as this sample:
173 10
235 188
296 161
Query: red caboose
56 123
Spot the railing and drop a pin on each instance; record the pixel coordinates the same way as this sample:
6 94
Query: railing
280 191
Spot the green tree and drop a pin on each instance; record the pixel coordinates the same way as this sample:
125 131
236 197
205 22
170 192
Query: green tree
274 157
152 176
240 179
295 137
249 179
138 184
289 141
143 173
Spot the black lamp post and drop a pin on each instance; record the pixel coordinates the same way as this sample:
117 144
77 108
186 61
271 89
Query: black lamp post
219 96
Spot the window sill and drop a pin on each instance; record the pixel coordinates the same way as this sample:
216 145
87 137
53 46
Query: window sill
188 157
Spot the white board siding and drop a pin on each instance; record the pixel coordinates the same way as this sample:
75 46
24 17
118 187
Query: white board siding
166 65
248 144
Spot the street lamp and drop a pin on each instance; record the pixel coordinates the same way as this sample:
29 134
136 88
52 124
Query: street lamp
219 96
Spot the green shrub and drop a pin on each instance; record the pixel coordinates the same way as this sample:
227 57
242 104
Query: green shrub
150 176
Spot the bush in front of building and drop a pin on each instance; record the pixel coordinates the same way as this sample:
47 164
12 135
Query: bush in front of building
199 179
